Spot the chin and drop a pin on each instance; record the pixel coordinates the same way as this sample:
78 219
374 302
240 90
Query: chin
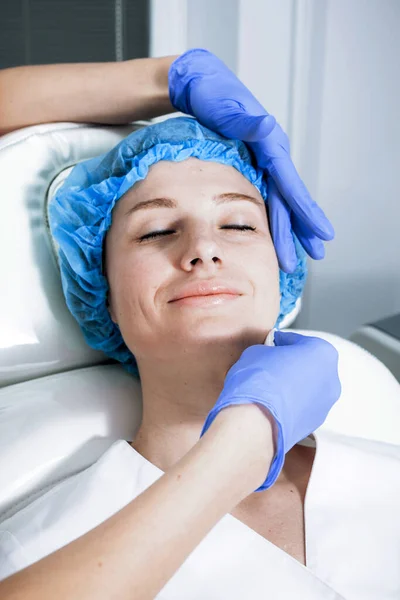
217 332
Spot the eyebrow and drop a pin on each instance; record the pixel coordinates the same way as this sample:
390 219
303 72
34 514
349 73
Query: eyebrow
170 203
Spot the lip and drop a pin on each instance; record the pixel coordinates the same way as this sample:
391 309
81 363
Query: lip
205 301
205 288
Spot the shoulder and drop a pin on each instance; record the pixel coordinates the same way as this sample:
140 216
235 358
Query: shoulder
360 444
374 458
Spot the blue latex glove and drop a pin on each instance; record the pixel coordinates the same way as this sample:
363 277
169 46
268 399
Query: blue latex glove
296 380
201 85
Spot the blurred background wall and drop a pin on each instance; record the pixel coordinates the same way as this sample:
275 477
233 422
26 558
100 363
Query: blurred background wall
327 69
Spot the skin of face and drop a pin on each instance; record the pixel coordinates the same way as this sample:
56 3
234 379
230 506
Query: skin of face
145 275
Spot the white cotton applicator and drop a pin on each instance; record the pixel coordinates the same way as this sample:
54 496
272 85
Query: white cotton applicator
270 339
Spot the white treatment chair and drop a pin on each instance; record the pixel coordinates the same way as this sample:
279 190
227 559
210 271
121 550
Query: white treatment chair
61 403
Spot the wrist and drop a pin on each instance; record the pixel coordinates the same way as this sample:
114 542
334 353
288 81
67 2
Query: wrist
148 84
161 73
249 442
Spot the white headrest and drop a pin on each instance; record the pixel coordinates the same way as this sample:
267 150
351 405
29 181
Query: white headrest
38 335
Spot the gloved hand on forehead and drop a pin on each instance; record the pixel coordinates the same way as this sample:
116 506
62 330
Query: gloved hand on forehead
201 85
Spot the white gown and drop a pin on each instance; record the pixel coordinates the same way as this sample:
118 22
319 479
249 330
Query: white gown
352 528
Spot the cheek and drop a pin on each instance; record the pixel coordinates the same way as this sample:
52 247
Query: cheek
265 274
260 258
268 276
135 284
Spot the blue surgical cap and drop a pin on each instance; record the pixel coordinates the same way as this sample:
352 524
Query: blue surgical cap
81 211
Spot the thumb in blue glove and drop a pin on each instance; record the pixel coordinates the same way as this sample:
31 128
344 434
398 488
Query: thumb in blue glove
296 381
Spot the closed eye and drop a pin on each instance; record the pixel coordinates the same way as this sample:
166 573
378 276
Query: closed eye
164 232
239 227
155 234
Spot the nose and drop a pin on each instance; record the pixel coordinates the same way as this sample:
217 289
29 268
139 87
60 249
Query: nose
202 250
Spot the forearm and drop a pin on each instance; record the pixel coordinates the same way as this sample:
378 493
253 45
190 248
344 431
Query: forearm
112 92
135 552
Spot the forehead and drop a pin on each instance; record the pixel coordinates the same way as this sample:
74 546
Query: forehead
181 179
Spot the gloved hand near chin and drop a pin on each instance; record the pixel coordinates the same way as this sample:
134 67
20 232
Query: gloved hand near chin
296 380
201 85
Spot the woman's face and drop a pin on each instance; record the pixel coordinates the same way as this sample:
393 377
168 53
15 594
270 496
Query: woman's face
206 210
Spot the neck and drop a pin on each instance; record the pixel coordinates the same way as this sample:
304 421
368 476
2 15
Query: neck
176 402
177 397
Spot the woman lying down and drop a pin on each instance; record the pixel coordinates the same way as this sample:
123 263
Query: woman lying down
168 266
